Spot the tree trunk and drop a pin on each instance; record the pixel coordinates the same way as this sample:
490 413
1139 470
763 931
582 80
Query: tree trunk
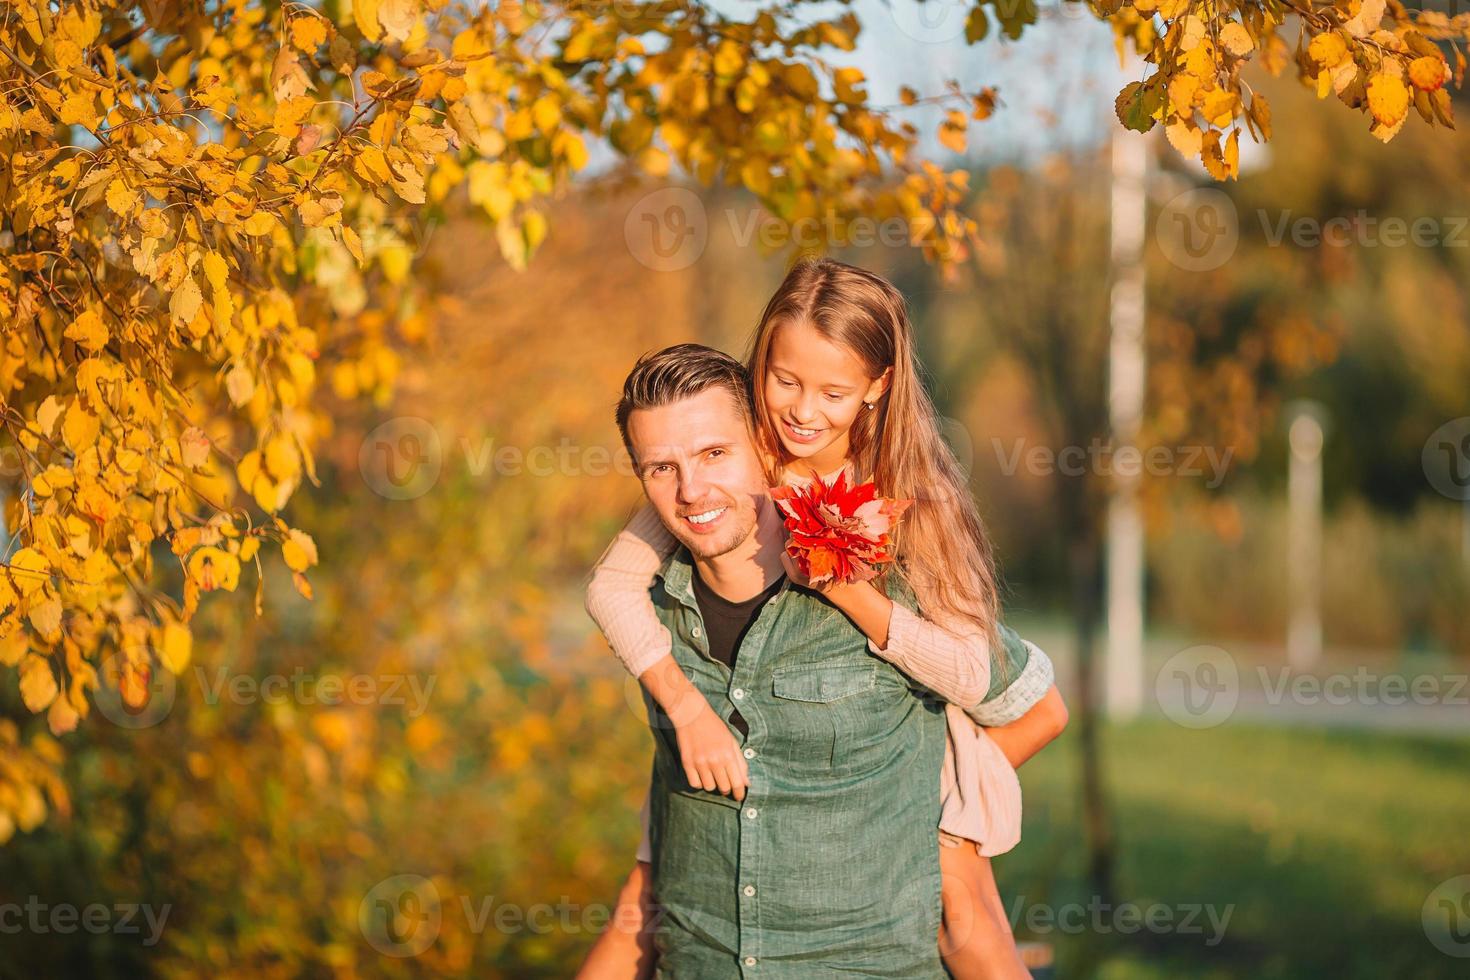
1084 555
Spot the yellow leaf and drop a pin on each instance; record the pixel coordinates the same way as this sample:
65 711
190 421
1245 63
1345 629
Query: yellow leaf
299 550
372 166
1232 153
259 223
176 647
89 331
546 112
79 428
29 570
239 385
354 244
45 616
77 109
37 683
1388 99
398 17
1184 137
13 648
185 302
62 717
47 414
1236 39
308 33
1327 50
193 447
121 197
952 131
1428 73
214 568
365 12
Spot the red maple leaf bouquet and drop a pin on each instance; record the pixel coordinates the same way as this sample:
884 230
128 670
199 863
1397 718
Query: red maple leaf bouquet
840 532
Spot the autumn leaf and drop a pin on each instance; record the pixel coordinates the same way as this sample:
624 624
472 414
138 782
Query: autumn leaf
88 331
1388 98
37 683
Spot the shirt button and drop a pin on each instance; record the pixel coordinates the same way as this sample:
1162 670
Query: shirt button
738 693
750 889
750 961
750 753
750 812
695 631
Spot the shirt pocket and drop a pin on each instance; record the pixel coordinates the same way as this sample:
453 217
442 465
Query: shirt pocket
821 711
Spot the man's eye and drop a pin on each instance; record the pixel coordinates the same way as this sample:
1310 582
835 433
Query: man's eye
716 452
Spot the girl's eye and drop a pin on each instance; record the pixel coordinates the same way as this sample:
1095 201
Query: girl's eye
834 396
785 384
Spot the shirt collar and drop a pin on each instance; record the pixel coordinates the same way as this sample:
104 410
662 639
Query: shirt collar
677 573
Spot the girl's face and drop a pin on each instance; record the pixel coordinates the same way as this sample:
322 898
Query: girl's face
813 391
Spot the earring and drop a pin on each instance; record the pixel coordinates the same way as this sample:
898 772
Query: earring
870 405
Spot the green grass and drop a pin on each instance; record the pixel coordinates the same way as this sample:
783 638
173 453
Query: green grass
1322 845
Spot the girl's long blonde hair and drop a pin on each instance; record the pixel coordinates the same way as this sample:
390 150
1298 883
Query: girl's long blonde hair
941 543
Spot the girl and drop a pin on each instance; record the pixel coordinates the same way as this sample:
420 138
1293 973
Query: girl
836 386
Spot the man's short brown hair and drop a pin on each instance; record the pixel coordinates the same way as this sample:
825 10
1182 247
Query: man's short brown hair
679 372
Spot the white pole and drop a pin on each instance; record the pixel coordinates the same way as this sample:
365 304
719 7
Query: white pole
1126 366
1304 540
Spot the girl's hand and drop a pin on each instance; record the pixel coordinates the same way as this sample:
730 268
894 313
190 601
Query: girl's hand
711 755
793 572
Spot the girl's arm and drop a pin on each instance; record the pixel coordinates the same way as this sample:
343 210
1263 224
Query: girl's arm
617 599
1009 690
952 662
617 591
1021 739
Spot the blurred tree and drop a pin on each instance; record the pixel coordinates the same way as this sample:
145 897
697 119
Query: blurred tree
206 206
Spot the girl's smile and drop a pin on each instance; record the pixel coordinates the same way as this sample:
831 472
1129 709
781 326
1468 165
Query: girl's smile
801 435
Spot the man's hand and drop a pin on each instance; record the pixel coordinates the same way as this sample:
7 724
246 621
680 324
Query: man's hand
711 755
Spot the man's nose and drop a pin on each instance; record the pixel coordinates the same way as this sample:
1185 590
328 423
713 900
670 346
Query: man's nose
692 487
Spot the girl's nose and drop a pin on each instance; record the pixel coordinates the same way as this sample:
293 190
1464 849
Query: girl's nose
805 409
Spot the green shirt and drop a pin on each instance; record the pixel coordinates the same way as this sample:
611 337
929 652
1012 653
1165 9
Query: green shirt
830 865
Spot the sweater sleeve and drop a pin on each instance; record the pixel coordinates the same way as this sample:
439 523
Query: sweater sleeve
950 659
617 596
995 686
1023 687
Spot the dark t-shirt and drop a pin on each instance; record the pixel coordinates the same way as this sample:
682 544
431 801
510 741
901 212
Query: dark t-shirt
726 624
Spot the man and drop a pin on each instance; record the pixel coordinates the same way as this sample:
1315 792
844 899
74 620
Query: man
829 864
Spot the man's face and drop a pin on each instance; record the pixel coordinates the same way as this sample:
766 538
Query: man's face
700 470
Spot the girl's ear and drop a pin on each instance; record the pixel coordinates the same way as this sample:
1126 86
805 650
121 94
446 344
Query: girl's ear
879 387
